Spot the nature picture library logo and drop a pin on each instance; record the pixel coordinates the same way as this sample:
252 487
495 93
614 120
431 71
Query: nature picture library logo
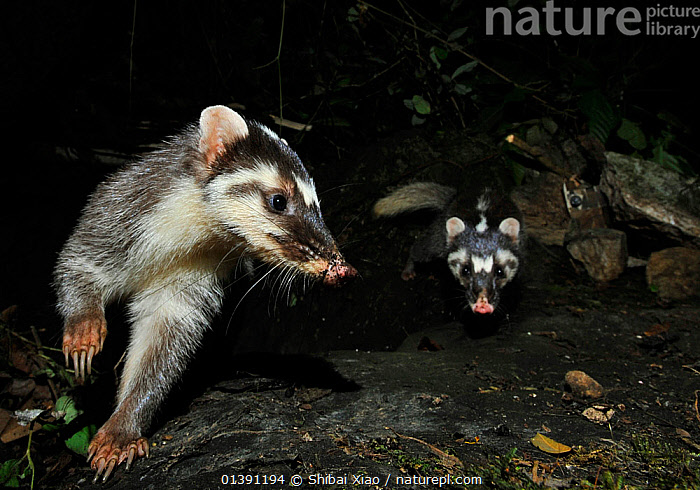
558 18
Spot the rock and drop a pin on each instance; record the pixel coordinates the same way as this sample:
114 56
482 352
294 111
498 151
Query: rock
675 273
544 212
602 251
583 385
646 196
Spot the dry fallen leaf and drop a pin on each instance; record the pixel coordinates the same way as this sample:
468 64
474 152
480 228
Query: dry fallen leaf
657 329
599 414
548 445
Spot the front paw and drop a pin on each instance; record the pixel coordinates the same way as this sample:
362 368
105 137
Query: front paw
83 337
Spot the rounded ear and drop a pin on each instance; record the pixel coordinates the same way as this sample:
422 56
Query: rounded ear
454 227
510 227
219 126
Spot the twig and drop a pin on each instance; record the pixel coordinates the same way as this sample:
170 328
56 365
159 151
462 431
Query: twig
290 124
41 362
537 153
447 459
689 367
277 58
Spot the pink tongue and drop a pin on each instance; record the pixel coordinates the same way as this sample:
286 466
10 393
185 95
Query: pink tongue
483 307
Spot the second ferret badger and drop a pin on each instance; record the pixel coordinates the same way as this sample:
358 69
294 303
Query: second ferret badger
479 236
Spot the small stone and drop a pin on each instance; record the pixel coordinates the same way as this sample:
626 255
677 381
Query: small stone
583 385
674 273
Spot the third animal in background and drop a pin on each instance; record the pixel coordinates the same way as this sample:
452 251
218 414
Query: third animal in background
479 236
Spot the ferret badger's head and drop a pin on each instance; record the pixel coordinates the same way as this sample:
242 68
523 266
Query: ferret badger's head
257 188
484 260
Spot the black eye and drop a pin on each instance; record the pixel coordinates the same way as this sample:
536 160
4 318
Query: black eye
466 270
278 202
500 272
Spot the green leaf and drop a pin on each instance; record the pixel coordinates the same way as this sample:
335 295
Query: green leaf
79 442
417 121
518 172
437 54
456 34
630 132
421 105
602 117
665 159
465 68
66 404
462 89
9 473
353 14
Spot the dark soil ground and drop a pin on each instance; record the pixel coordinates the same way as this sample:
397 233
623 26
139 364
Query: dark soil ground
384 379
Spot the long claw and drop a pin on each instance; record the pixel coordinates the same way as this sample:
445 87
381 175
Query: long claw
75 364
65 353
83 356
90 355
91 453
110 467
100 469
130 459
147 450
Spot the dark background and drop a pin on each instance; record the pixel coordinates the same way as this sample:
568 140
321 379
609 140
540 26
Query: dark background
81 79
84 84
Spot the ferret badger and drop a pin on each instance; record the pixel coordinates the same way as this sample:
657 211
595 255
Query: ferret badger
479 237
163 233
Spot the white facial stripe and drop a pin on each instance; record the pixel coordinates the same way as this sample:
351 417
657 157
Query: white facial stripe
308 191
482 204
484 264
455 261
503 256
457 256
482 226
263 174
509 263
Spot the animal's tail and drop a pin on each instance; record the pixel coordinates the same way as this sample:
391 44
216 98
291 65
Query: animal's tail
414 197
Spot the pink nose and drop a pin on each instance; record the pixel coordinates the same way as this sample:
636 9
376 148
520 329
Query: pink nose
483 306
338 273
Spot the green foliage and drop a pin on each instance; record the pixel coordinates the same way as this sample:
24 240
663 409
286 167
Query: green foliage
612 482
602 117
654 148
66 405
518 170
80 441
11 473
631 132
